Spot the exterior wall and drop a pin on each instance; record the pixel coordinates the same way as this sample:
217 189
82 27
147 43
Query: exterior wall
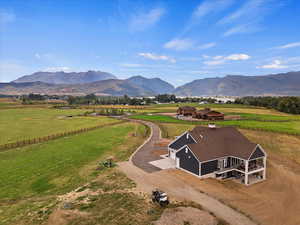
209 167
187 161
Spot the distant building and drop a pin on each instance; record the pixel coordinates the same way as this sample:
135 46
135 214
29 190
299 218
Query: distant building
208 114
221 153
186 110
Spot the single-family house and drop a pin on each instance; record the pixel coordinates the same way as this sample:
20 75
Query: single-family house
219 152
186 110
208 114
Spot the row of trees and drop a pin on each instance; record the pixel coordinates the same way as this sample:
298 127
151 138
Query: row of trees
92 99
284 104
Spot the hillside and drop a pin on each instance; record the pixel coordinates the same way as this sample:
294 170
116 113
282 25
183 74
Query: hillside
135 86
233 85
66 78
154 85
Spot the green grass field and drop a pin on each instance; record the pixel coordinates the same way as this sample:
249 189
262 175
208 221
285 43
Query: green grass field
20 124
60 165
288 127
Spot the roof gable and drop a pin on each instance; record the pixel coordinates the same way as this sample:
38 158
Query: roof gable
258 153
183 140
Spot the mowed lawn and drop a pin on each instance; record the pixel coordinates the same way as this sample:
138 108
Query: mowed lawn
27 123
60 165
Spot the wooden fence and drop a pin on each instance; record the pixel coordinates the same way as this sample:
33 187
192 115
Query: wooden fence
37 140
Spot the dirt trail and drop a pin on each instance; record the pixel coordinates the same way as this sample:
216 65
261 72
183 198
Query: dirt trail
175 187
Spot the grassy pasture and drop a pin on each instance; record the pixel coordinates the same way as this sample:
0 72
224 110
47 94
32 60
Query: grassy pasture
62 164
20 124
288 127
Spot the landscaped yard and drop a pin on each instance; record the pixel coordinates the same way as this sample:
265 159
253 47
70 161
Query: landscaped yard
27 123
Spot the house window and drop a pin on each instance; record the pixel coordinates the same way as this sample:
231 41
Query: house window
186 150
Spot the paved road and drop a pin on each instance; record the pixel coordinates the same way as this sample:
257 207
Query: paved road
139 170
144 154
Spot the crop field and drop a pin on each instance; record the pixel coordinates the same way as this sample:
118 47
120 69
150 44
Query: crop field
20 124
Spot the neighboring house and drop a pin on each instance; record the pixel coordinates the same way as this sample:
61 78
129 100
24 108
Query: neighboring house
220 153
208 114
186 110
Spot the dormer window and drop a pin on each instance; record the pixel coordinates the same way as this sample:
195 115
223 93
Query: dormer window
186 150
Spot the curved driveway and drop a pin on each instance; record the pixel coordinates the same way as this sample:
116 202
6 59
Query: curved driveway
144 153
176 188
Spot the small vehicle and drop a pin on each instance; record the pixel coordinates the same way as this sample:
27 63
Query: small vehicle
160 197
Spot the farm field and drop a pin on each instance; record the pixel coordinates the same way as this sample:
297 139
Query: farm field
35 174
27 123
259 201
53 166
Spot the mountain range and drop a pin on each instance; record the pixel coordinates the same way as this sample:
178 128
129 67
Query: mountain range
102 83
62 77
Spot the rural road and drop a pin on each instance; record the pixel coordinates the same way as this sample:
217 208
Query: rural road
148 177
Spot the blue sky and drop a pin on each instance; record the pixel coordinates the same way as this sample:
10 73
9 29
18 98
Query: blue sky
176 40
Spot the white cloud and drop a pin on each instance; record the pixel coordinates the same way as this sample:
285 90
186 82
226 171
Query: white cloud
131 65
207 7
179 44
290 45
37 55
157 57
214 62
219 59
248 18
6 17
210 6
207 45
243 28
238 57
144 20
57 69
248 10
276 64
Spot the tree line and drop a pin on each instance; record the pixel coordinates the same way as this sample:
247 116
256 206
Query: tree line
287 104
92 99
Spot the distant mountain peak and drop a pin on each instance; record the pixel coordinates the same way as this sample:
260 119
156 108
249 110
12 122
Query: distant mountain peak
239 85
62 77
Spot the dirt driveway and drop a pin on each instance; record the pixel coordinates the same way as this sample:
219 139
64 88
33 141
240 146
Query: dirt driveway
179 190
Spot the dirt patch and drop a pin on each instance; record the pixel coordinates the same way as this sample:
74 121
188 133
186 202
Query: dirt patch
162 142
275 201
186 215
62 217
